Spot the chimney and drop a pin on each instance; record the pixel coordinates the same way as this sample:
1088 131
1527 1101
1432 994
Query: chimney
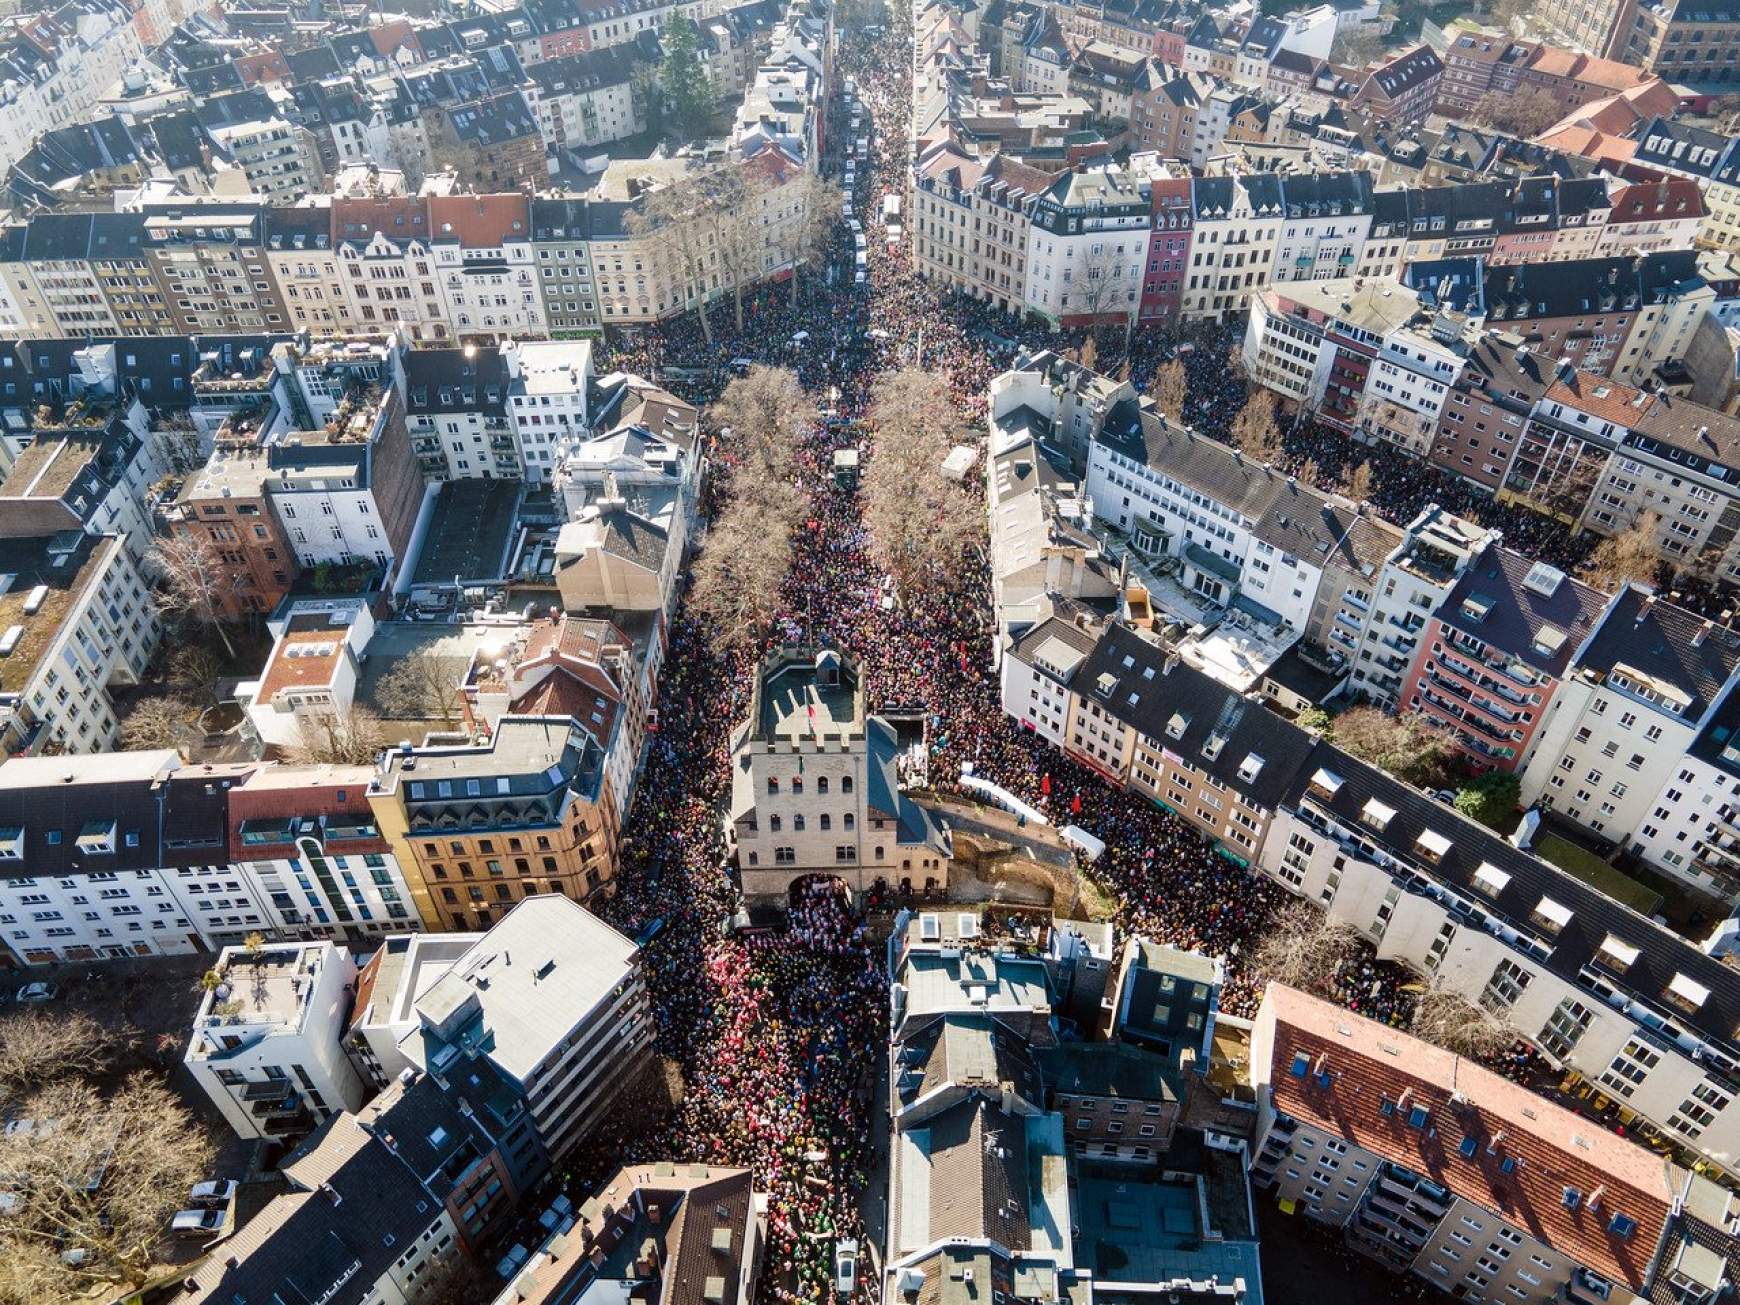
1702 634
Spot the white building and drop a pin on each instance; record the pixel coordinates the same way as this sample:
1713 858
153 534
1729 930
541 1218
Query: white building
265 1046
388 984
311 674
547 389
75 617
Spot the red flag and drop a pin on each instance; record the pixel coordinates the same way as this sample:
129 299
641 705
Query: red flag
1075 805
1045 785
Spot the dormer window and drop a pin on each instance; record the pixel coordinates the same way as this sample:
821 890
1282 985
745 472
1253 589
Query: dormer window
1176 726
1490 879
1550 915
1250 768
1618 953
1686 993
11 843
1375 815
97 836
1325 784
1432 846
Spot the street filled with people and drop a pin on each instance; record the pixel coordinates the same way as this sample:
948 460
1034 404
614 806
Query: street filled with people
775 1035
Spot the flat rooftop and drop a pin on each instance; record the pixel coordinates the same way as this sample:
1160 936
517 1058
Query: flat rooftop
470 532
1129 1230
938 983
796 705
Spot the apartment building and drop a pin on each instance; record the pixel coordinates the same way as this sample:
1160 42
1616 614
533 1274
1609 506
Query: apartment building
58 64
1501 383
551 1002
970 223
1404 88
479 827
304 261
1493 657
265 1047
1697 45
1143 718
1428 1162
1415 580
276 158
1633 700
484 264
349 491
224 504
1036 670
386 250
547 391
456 413
700 1223
1088 249
211 263
561 230
1705 157
815 786
585 100
356 1223
77 618
1595 987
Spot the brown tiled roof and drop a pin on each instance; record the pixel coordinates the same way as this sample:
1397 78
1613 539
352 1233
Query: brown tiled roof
480 221
978 1177
1367 1064
297 661
1600 397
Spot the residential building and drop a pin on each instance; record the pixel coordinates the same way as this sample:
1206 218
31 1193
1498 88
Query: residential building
1493 657
1594 986
1501 382
551 1002
1088 249
211 262
1428 1160
265 1047
224 504
1634 697
356 1227
478 827
815 785
483 261
304 261
561 230
657 1229
456 413
387 986
306 839
1404 87
78 618
548 383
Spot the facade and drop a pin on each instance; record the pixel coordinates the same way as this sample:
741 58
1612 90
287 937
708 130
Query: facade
545 825
265 1047
815 785
1427 1161
224 504
1595 987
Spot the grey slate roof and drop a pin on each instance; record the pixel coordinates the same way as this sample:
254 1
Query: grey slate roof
1181 709
1662 640
1515 616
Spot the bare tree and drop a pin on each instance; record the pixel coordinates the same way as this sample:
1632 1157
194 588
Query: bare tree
1631 555
38 1047
1448 1020
743 562
1304 947
1171 388
330 739
1099 289
1357 46
197 582
767 412
1310 473
195 669
1089 353
818 213
1359 483
734 212
98 1175
679 222
159 721
1256 431
1408 746
420 687
1518 113
918 519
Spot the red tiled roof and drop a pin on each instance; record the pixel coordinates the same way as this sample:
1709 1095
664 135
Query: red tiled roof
480 221
1367 1064
279 792
303 658
1600 397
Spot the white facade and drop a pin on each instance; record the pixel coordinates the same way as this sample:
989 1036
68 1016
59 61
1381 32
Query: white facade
266 1041
1035 691
1652 1074
546 401
490 292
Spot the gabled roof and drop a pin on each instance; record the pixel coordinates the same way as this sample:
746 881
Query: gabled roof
1499 602
1485 1138
1668 644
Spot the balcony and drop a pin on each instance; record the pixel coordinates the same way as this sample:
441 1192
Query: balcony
298 1122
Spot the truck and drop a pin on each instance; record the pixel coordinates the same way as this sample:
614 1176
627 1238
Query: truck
891 207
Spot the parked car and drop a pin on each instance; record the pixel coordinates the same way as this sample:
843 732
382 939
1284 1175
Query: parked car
37 992
214 1191
846 1266
197 1223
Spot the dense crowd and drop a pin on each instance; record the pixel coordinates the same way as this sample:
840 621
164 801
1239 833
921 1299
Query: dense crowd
776 1035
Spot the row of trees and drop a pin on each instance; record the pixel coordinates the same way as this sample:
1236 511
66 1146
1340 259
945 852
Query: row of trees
918 519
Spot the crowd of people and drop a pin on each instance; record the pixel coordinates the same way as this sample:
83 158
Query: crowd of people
775 1036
